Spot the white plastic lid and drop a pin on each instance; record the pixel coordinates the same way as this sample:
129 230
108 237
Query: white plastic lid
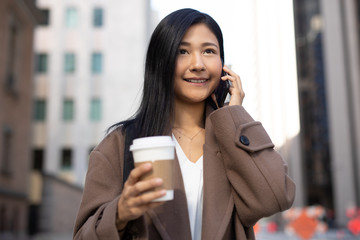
152 142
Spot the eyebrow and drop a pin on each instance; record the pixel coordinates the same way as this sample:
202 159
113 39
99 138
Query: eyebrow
203 44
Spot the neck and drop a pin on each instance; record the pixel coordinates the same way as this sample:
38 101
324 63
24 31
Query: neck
189 116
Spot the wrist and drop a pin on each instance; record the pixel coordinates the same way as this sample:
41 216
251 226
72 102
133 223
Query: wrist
120 225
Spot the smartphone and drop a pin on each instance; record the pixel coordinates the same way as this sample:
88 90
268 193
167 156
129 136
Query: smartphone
221 91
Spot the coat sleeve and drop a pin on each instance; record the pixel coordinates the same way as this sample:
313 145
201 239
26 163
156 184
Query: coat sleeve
256 172
96 217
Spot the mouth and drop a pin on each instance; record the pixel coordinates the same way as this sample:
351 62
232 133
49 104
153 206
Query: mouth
195 80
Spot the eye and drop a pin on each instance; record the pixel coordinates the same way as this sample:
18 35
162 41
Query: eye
209 51
182 51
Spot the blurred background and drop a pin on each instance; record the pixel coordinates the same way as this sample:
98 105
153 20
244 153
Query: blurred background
70 69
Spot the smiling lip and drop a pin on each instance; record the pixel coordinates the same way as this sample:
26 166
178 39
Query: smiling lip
196 80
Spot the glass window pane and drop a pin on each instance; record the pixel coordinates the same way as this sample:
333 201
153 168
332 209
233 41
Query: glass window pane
40 110
46 17
98 17
41 62
66 159
96 63
69 64
13 52
38 159
95 110
68 110
71 19
6 154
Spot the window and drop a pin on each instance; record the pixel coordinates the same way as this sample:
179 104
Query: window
46 14
11 52
68 110
41 63
7 135
96 62
95 110
69 65
38 159
66 159
98 17
71 18
40 110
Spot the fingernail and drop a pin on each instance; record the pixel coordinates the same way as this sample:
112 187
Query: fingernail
147 165
158 180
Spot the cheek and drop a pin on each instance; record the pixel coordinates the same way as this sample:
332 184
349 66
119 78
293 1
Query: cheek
216 68
217 71
180 66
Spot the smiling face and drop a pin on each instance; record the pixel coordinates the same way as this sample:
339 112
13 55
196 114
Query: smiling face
198 65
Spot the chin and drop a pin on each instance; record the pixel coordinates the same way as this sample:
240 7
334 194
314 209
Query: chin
196 99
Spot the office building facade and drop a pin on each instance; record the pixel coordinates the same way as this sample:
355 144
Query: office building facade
17 22
327 42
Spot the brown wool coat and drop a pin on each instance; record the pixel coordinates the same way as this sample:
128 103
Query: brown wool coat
242 183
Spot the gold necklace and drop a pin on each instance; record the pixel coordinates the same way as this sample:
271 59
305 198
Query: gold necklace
191 138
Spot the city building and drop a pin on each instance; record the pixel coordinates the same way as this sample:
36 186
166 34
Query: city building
89 69
17 22
327 44
89 59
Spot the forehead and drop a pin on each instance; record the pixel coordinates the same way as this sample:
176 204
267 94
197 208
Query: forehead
200 32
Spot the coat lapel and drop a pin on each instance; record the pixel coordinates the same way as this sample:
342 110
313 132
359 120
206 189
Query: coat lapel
172 219
218 202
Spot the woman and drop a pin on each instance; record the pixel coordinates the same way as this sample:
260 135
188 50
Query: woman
227 176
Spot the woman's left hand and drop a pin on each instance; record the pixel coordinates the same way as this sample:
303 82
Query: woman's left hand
236 91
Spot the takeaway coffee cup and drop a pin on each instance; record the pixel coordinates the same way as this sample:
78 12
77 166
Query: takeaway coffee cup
160 151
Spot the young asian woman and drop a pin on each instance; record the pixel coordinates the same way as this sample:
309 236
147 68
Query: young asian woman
227 173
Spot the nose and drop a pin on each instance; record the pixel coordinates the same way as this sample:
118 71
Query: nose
197 63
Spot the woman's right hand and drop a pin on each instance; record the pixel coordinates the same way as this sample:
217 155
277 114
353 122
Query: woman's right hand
136 197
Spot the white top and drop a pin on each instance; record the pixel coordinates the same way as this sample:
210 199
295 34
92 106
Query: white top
192 174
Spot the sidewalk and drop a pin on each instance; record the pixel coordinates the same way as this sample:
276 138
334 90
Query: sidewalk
330 235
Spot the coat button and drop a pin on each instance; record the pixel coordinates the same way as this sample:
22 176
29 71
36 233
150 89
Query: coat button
244 140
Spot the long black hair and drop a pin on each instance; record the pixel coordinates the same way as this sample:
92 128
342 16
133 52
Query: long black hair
157 106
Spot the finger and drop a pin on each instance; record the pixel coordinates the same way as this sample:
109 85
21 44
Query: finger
146 198
233 81
228 70
134 207
135 212
144 186
137 172
232 73
237 90
234 78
